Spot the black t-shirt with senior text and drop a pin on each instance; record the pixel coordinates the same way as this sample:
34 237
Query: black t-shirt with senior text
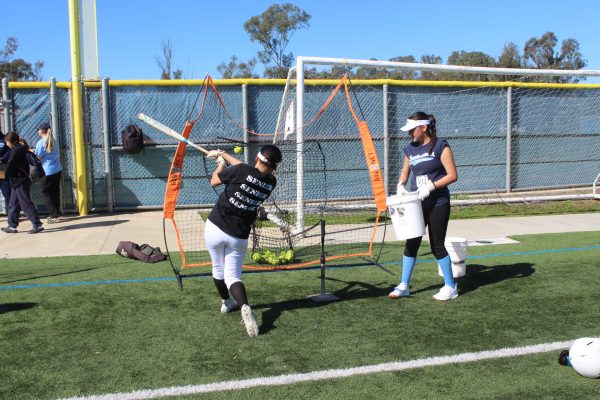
246 188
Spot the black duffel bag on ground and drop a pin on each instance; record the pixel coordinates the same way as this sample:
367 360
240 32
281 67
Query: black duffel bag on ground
143 252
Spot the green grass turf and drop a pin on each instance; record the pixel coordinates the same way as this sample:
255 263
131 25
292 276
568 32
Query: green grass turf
105 338
461 212
523 209
531 377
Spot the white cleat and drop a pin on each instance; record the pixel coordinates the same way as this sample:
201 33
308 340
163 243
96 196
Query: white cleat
249 321
399 291
228 305
446 293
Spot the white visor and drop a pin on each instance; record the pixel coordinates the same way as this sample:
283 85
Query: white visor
413 123
262 158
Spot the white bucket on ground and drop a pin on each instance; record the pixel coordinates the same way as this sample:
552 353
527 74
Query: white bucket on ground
407 215
457 249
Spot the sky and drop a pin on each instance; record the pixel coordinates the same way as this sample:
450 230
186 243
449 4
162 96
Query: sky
207 33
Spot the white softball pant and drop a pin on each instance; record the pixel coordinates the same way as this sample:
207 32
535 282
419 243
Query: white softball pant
226 252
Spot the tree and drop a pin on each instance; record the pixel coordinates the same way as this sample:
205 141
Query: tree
178 74
10 48
510 58
37 71
273 30
166 63
335 72
404 74
384 73
540 53
369 72
235 69
472 59
18 69
430 59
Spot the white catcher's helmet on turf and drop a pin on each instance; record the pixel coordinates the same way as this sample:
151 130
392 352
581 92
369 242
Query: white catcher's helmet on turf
584 357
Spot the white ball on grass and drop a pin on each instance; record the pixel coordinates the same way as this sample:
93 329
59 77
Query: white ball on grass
584 356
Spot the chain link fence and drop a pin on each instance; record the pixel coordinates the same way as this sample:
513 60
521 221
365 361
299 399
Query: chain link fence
504 139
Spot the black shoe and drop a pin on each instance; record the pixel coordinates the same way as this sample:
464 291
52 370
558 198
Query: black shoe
9 229
563 358
36 229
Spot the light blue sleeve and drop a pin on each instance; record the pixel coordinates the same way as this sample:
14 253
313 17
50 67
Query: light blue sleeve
40 149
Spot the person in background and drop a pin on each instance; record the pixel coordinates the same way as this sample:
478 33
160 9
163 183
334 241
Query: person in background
48 152
4 184
17 173
229 223
430 162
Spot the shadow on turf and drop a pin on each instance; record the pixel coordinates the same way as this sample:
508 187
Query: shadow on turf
8 307
353 290
482 275
47 276
58 227
477 276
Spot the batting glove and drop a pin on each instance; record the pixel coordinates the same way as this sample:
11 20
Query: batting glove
425 190
214 154
400 189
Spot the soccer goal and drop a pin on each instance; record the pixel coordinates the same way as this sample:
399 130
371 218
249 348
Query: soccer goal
518 135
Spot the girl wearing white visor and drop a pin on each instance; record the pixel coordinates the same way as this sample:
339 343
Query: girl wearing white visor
229 223
430 163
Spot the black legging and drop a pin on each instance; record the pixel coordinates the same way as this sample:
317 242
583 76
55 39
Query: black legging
5 188
51 193
436 219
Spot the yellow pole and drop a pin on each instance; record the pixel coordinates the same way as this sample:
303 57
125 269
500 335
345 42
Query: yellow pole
77 112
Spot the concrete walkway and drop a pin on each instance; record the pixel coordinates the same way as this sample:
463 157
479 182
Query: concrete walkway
101 233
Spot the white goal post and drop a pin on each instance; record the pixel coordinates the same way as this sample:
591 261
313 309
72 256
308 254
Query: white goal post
595 191
514 133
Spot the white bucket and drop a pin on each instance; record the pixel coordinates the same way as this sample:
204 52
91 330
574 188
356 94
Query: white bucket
457 249
407 215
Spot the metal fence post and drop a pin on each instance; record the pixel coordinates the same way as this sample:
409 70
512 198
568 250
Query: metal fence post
508 139
386 140
245 121
106 133
6 123
54 110
54 122
6 105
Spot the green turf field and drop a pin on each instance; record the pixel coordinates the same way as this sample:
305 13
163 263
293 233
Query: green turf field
80 326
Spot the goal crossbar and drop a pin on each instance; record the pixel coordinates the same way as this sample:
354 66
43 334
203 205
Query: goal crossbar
301 61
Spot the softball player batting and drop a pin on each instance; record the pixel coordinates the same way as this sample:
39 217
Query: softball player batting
228 225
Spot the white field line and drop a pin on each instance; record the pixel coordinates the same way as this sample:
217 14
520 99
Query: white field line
330 373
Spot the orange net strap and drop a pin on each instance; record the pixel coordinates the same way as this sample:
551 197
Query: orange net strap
175 175
176 170
208 83
370 155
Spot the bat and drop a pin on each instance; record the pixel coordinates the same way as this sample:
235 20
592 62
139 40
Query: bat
168 131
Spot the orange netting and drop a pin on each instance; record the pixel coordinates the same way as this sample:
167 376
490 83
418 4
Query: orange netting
276 233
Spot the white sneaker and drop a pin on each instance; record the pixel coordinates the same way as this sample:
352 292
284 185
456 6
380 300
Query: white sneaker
399 291
249 321
446 293
228 305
